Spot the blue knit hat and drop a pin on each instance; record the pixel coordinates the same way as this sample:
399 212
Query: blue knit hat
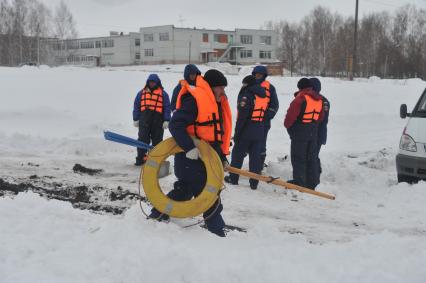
260 70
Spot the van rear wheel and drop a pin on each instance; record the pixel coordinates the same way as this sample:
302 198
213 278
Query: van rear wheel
407 179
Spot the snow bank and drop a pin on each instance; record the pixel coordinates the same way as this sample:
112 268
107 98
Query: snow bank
53 118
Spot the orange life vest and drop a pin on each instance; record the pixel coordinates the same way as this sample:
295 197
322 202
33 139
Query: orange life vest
312 111
152 100
267 86
259 110
212 124
261 104
183 87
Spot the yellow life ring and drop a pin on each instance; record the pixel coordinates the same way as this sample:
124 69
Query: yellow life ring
182 209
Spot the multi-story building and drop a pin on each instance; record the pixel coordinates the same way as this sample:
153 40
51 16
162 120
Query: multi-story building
169 45
114 50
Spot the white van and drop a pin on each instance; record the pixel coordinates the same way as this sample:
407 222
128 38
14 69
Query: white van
411 158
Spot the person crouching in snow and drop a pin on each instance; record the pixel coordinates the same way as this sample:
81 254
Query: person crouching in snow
151 114
249 129
302 120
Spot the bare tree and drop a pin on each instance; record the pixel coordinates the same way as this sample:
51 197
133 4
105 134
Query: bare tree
38 29
5 27
64 24
291 36
389 45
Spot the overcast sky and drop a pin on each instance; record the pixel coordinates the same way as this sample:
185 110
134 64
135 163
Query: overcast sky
98 17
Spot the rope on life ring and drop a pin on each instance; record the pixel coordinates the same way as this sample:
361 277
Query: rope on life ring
189 208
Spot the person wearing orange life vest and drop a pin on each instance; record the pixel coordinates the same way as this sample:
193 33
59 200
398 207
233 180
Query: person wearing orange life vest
202 111
303 117
260 73
252 105
322 127
190 74
151 114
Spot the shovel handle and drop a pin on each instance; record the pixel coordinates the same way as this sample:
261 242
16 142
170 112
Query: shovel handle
278 182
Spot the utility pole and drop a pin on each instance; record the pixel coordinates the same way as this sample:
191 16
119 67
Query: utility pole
100 53
353 63
38 50
190 42
386 67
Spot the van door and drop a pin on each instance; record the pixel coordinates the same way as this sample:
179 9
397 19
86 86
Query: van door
417 124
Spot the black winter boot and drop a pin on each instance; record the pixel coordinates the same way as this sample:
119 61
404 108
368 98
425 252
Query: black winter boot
229 180
155 214
139 161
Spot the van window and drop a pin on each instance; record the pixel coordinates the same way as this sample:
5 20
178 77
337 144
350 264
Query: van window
422 105
420 109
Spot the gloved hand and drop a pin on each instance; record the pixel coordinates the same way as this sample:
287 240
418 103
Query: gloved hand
165 125
193 154
136 123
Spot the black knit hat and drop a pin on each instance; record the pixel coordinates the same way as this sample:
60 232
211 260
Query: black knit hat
249 80
316 84
303 83
215 78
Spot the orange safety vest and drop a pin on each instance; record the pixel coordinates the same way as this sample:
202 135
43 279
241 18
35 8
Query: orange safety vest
313 109
211 124
267 86
260 106
183 87
152 100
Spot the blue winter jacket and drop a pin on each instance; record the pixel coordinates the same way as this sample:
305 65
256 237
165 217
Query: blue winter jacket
189 69
166 100
322 127
245 128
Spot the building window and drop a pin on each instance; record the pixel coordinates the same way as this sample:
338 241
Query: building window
265 39
137 42
246 54
108 43
149 52
205 37
265 54
138 56
164 36
221 38
57 45
86 44
72 44
60 60
107 58
147 37
98 44
246 39
70 59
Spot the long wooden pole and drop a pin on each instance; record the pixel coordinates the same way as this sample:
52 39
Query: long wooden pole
271 180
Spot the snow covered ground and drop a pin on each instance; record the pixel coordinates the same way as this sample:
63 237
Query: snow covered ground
53 118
